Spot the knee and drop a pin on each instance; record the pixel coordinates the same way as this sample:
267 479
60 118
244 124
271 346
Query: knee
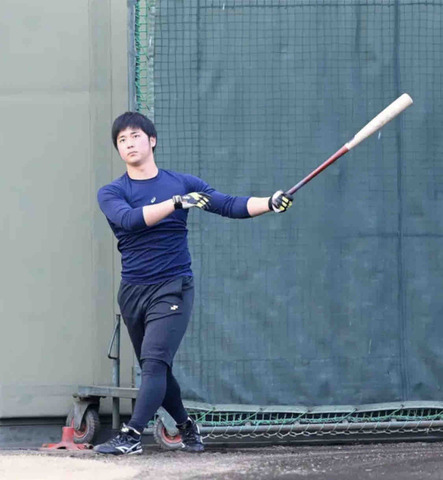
153 368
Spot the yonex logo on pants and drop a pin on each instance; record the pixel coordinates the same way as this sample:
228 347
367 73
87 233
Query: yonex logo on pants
174 307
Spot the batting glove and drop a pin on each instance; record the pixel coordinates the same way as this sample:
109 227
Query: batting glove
193 199
280 201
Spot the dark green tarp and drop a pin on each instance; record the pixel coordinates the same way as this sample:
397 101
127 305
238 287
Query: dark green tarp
338 301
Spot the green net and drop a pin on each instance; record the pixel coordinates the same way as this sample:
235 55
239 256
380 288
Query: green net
144 19
338 301
221 421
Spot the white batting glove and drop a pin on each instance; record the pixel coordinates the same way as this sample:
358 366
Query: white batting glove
193 199
280 201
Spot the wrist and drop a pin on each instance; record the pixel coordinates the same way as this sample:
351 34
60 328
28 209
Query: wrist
270 204
177 201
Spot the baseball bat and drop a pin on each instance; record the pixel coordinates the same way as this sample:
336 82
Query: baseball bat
389 113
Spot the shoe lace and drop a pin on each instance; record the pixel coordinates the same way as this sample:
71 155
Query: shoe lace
119 439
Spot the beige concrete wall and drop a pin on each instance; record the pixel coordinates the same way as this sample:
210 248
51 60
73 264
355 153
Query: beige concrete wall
63 80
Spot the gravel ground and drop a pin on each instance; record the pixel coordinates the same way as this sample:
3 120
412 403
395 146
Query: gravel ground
387 461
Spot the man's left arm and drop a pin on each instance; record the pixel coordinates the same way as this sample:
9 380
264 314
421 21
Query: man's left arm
240 207
279 202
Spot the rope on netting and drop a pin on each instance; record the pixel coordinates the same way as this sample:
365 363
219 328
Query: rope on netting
264 423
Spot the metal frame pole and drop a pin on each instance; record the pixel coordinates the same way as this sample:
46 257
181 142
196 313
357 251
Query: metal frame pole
132 100
115 343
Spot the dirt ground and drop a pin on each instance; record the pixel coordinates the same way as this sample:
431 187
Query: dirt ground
387 461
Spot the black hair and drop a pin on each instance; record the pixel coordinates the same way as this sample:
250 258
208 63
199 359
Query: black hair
132 120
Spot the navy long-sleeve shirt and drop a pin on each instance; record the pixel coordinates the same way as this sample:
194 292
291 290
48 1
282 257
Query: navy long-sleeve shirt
154 254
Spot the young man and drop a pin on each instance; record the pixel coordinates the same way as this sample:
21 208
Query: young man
147 209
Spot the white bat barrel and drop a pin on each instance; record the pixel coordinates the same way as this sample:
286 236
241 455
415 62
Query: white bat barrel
389 113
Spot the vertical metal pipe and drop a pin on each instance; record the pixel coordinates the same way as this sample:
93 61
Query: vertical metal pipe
132 100
116 358
115 413
116 374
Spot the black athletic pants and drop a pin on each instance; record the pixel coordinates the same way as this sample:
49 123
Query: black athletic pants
157 317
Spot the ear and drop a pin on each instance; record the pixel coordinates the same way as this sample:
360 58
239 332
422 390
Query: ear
153 141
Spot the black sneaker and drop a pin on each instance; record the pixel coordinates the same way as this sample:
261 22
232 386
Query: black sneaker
127 442
191 438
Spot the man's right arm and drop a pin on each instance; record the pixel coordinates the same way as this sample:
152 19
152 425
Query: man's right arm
120 213
154 213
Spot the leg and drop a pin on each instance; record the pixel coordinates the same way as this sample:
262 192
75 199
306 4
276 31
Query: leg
136 303
172 401
189 431
168 319
173 304
165 326
131 299
151 393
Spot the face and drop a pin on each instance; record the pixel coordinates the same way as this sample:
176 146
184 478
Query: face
135 147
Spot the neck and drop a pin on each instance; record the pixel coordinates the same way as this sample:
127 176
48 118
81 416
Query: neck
142 172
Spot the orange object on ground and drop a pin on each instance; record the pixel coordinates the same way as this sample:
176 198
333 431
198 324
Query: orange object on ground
67 442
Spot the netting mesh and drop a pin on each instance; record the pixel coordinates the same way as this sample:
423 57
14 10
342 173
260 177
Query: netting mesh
273 422
338 301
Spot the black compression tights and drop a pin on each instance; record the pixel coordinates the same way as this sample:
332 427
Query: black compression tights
158 388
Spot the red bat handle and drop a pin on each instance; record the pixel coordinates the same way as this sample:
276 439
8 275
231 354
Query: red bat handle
319 169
